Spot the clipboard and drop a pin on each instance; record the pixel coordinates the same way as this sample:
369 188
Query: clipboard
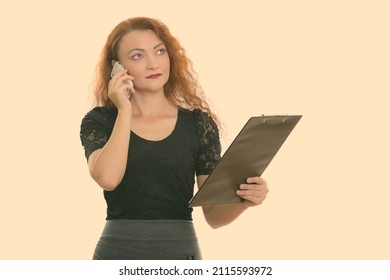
249 155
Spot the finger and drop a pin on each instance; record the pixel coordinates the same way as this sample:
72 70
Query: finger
128 94
124 79
120 73
118 76
250 193
248 187
129 82
132 90
119 90
256 180
121 83
253 199
253 187
129 88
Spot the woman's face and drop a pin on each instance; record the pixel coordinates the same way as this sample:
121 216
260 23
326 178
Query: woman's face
146 58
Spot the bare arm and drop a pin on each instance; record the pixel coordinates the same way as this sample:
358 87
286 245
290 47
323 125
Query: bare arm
253 194
107 165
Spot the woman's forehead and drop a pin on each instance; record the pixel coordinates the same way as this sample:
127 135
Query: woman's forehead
139 39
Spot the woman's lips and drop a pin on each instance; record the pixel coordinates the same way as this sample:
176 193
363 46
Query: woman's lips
153 76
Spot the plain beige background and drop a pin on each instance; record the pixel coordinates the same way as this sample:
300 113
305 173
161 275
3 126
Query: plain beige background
328 60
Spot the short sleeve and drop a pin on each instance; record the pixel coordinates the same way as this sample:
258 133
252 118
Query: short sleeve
210 145
93 130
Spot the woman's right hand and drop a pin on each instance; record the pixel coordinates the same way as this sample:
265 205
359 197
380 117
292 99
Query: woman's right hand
119 90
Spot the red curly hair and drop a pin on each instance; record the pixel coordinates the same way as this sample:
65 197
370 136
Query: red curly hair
182 88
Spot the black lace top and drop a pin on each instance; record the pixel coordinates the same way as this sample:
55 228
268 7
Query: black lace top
160 175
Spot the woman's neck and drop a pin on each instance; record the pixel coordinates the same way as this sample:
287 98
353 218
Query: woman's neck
151 105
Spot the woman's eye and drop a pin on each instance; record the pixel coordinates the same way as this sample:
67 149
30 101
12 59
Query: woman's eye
136 56
161 51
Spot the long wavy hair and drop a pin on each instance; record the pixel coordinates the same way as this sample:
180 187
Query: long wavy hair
182 88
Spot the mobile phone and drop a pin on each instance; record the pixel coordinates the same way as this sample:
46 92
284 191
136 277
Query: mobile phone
118 67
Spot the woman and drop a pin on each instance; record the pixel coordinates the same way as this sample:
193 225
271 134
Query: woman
145 150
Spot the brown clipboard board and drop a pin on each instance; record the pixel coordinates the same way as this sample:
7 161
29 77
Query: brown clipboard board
249 155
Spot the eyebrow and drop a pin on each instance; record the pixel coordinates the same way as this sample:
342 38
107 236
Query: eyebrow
142 50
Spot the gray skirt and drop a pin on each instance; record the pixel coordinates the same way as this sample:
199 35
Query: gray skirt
148 240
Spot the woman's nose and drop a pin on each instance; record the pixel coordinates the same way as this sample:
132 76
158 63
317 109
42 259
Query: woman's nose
152 64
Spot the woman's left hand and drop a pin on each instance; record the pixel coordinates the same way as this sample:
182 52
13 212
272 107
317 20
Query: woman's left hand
254 192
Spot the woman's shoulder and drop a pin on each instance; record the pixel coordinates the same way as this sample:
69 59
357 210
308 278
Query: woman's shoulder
101 111
196 113
101 114
203 122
